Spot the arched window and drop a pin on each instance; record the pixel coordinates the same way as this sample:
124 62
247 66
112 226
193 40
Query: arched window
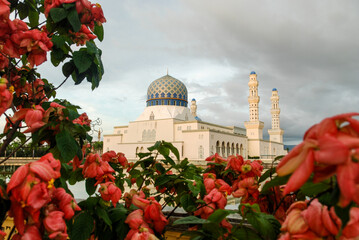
237 149
241 150
141 150
223 149
218 148
144 135
152 116
228 150
232 149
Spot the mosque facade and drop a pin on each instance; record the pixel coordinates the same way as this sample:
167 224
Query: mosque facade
170 117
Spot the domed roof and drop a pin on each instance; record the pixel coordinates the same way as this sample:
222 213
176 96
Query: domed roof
274 89
253 72
167 90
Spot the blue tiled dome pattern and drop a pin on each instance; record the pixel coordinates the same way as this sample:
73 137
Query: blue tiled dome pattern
167 90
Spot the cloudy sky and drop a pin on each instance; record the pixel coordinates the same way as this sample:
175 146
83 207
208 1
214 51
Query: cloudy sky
308 50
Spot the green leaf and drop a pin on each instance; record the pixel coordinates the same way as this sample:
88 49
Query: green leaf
68 68
104 216
277 181
245 233
33 18
218 215
82 226
91 48
23 10
139 181
173 149
58 14
58 41
89 203
311 189
154 147
190 220
188 203
343 213
267 226
165 151
163 179
90 186
57 56
67 145
118 213
82 60
73 114
143 155
160 168
98 31
194 189
74 20
266 175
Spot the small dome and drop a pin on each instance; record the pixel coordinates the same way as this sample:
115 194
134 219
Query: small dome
193 99
197 118
274 89
253 72
167 90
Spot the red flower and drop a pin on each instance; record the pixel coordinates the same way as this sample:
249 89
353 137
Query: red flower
66 203
82 36
4 9
235 163
312 222
82 120
329 147
351 230
108 156
216 159
5 96
36 43
109 191
55 225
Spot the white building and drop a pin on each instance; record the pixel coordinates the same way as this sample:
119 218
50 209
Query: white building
167 117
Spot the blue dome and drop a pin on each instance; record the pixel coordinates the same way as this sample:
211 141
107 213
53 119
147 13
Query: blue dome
197 118
193 99
167 90
253 72
274 89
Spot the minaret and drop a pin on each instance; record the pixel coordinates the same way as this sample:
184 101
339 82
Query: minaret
254 126
194 108
275 134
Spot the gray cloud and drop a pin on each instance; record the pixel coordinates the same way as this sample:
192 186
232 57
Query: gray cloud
308 50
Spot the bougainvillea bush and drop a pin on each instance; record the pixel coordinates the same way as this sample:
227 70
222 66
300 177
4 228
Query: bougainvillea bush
312 193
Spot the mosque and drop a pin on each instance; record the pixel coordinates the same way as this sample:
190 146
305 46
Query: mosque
168 117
